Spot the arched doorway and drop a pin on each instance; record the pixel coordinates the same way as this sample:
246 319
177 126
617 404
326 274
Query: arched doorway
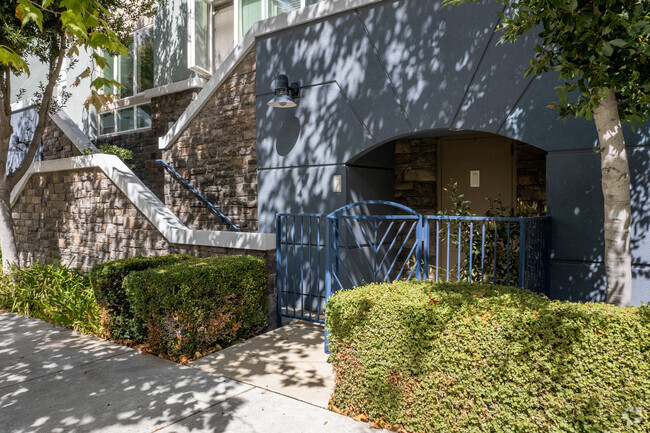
489 171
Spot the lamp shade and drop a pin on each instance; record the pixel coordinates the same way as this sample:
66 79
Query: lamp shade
281 101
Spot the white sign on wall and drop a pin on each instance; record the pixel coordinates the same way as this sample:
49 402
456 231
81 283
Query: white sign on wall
475 178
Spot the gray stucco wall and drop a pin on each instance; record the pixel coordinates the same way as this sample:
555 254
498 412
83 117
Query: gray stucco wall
411 67
74 107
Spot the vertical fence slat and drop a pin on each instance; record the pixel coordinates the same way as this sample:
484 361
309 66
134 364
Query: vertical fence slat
470 250
522 252
437 248
496 237
460 248
508 255
302 267
482 251
278 270
425 247
448 253
320 300
309 296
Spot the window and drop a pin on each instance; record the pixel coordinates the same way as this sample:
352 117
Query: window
106 123
125 119
199 52
250 11
277 7
134 71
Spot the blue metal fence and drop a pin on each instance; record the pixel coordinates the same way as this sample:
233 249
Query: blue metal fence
497 250
379 241
300 265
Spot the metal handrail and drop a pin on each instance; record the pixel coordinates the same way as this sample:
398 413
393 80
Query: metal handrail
198 194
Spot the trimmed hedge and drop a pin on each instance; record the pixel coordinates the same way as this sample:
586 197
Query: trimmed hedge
426 357
106 279
195 305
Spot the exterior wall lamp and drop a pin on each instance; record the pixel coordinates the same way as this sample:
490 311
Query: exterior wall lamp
285 94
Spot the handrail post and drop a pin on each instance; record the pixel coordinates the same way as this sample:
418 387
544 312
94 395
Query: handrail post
418 249
522 252
328 271
547 255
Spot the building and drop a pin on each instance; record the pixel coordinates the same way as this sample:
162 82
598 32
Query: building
396 97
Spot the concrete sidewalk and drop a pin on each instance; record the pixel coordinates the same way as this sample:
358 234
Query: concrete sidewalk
53 380
290 360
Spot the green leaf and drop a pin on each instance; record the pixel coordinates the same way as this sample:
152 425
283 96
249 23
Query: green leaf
26 12
100 82
8 57
573 5
618 42
607 49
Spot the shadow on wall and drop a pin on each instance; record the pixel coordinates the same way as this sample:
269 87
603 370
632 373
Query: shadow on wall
576 204
98 225
372 75
640 194
395 68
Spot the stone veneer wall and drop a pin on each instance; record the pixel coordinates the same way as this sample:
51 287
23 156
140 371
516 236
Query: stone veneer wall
415 175
144 143
217 154
81 217
56 144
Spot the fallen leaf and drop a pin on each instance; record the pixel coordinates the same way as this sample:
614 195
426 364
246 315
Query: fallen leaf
362 417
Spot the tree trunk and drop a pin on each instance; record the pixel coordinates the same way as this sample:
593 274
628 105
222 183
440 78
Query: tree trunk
616 192
7 237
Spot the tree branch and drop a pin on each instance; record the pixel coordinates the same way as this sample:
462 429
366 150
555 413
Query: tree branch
5 113
43 115
6 130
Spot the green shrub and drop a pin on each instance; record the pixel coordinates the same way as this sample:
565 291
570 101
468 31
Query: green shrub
448 357
192 306
56 293
120 322
120 152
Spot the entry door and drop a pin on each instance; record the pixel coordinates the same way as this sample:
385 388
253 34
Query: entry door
483 166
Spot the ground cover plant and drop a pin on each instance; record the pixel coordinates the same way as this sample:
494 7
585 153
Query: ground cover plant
56 293
427 357
195 306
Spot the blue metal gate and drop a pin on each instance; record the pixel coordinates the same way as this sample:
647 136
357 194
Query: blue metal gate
380 241
300 266
368 242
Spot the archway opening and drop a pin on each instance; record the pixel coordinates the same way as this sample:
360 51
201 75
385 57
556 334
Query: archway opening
492 173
